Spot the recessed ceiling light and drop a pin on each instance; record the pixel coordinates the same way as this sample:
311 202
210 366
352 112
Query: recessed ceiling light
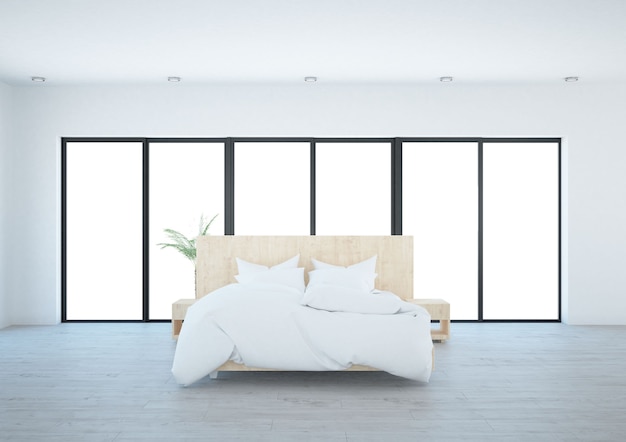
310 79
571 79
38 79
173 79
446 79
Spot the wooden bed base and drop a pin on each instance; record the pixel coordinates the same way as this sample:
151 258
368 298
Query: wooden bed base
233 366
216 265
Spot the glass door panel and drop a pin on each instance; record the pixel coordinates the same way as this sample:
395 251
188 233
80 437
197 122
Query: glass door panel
353 188
440 210
186 184
104 221
272 188
521 230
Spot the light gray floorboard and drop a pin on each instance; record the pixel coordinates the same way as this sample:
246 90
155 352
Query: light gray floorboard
492 382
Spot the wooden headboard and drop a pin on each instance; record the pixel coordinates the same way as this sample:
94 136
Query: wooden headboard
216 265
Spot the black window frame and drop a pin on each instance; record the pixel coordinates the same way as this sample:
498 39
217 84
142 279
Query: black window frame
229 182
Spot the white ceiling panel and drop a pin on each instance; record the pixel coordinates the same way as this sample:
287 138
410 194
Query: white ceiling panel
339 41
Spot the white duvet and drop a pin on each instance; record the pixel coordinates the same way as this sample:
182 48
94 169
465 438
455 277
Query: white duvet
265 325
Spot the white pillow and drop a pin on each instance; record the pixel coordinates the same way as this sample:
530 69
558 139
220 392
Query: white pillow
340 299
342 277
284 276
369 265
250 267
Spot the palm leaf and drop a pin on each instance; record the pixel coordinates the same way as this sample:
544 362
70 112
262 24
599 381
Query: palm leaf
186 246
203 230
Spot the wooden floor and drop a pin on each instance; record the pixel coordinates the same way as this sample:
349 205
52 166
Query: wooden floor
493 382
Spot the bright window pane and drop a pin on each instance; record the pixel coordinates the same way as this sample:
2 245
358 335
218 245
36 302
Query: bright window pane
272 188
186 183
353 188
520 230
104 230
440 210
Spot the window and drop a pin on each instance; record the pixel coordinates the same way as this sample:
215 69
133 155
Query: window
521 230
353 188
186 183
272 188
440 210
104 222
484 214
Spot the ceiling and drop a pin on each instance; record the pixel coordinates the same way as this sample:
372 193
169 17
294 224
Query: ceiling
72 42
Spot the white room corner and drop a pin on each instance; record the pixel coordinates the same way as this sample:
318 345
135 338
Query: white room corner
5 107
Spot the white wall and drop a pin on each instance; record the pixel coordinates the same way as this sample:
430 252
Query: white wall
589 117
5 116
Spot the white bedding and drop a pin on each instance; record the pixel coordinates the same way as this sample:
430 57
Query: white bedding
265 325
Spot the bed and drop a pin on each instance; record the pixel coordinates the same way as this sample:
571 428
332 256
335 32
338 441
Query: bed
304 303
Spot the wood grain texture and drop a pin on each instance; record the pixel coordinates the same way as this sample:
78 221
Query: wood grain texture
494 382
179 310
439 310
216 265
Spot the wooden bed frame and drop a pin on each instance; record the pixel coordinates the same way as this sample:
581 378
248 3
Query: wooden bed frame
216 265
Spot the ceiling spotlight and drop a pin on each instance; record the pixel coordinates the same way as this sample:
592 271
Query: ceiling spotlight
571 79
173 79
446 79
38 79
310 79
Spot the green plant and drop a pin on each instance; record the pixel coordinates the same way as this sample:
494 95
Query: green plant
186 246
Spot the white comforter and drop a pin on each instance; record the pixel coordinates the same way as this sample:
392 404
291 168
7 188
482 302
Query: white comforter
266 326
